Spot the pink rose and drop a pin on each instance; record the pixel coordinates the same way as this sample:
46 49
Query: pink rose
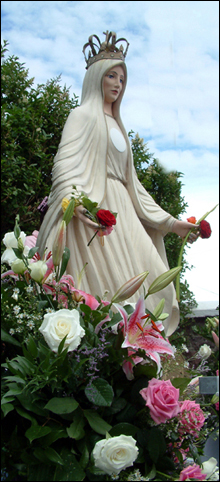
192 472
162 398
191 418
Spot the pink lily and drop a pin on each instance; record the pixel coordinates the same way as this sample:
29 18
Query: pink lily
127 366
140 333
10 273
30 241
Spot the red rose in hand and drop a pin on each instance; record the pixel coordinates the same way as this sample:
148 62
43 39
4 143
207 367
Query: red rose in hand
105 217
205 230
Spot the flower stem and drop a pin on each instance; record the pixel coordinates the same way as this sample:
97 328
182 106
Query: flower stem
179 264
92 238
182 248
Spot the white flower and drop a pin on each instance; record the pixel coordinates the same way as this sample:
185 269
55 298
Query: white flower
115 454
209 467
15 294
59 324
184 348
30 325
29 289
10 240
204 352
8 256
38 270
16 309
18 266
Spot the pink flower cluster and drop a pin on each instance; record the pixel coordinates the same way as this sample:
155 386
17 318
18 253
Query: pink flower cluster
191 418
162 398
192 472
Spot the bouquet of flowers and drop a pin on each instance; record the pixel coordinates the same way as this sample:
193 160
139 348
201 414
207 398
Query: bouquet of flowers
103 217
83 394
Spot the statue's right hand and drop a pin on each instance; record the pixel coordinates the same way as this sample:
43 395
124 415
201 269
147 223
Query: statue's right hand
80 213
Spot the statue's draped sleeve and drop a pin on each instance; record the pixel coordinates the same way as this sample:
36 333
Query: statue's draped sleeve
80 161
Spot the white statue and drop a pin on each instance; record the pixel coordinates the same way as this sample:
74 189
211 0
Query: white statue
95 155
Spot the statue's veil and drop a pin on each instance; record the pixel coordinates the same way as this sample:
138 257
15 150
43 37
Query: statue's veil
82 154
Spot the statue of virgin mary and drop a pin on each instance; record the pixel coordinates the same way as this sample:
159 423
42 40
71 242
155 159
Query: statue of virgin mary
95 155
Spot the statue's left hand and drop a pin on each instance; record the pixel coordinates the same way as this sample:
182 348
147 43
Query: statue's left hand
181 228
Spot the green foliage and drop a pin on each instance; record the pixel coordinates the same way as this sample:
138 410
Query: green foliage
32 121
56 405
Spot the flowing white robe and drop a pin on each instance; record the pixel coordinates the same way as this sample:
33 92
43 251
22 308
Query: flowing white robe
103 169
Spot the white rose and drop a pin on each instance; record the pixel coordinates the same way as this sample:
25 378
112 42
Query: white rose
59 324
10 240
18 266
204 352
38 270
115 454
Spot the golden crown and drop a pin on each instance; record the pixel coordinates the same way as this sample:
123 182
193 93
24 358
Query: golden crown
105 50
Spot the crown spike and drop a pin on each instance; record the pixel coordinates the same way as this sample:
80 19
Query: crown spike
104 50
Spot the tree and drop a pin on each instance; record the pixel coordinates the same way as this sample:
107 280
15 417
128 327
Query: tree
32 122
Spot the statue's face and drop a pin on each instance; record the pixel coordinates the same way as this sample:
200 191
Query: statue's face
112 84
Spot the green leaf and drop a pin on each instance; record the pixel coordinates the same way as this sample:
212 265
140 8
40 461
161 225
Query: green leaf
115 319
156 444
31 346
84 457
24 414
14 378
180 383
18 253
36 431
62 405
151 475
61 345
8 338
54 435
75 430
41 305
71 470
40 472
96 422
85 309
32 252
68 214
65 259
123 428
29 402
49 454
6 408
100 393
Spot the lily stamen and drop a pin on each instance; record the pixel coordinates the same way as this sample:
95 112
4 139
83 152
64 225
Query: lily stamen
155 326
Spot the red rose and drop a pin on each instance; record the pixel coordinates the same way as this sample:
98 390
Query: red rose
205 230
105 217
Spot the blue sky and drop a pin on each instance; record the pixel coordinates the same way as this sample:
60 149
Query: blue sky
171 98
